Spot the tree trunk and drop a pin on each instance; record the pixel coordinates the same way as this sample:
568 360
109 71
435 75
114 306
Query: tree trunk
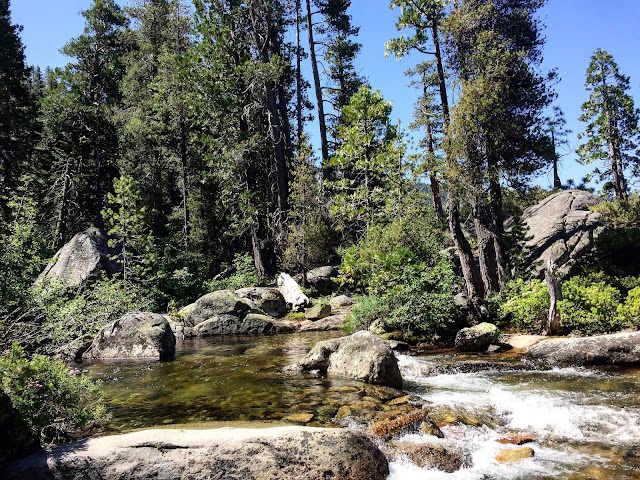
299 125
99 218
555 293
183 173
435 186
275 124
257 254
61 222
486 252
497 220
442 83
473 282
557 184
319 99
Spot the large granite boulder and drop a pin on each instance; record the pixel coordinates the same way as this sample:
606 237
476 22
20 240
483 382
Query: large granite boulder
318 312
82 260
252 324
362 356
283 453
267 299
321 279
615 349
476 338
562 228
135 335
218 304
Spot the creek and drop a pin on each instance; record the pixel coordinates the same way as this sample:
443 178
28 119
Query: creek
586 422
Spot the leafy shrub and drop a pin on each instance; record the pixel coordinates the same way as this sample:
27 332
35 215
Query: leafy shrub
525 305
410 283
244 275
589 306
86 312
629 311
55 401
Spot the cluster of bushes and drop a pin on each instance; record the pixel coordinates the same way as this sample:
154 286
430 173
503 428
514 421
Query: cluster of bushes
43 401
591 304
408 281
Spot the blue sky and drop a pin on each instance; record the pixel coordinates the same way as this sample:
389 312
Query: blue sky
575 29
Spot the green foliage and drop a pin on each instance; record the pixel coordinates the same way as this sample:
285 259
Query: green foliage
369 161
125 218
410 283
524 305
54 400
309 243
68 316
244 275
612 122
592 304
621 213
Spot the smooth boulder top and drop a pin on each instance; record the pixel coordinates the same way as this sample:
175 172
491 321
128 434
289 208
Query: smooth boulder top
362 356
282 453
267 299
81 260
615 349
135 335
216 304
561 228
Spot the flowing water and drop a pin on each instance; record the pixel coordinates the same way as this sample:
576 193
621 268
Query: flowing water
586 422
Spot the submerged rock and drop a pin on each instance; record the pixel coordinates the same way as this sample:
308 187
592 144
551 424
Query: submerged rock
477 338
437 456
615 349
283 453
135 335
81 260
512 455
363 356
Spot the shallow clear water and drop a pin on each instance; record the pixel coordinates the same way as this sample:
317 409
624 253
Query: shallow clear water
586 421
220 380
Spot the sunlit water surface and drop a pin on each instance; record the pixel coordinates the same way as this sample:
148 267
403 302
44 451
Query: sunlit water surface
586 421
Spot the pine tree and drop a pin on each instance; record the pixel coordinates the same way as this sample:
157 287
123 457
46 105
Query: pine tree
369 162
612 121
17 110
93 85
125 219
555 126
309 240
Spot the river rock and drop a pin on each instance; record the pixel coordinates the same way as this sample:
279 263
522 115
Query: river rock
332 322
252 324
363 356
72 351
615 349
291 292
477 338
436 456
81 260
135 335
561 228
283 453
267 299
321 279
402 422
218 304
341 301
318 312
511 455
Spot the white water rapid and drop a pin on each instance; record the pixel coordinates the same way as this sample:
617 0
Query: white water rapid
586 422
